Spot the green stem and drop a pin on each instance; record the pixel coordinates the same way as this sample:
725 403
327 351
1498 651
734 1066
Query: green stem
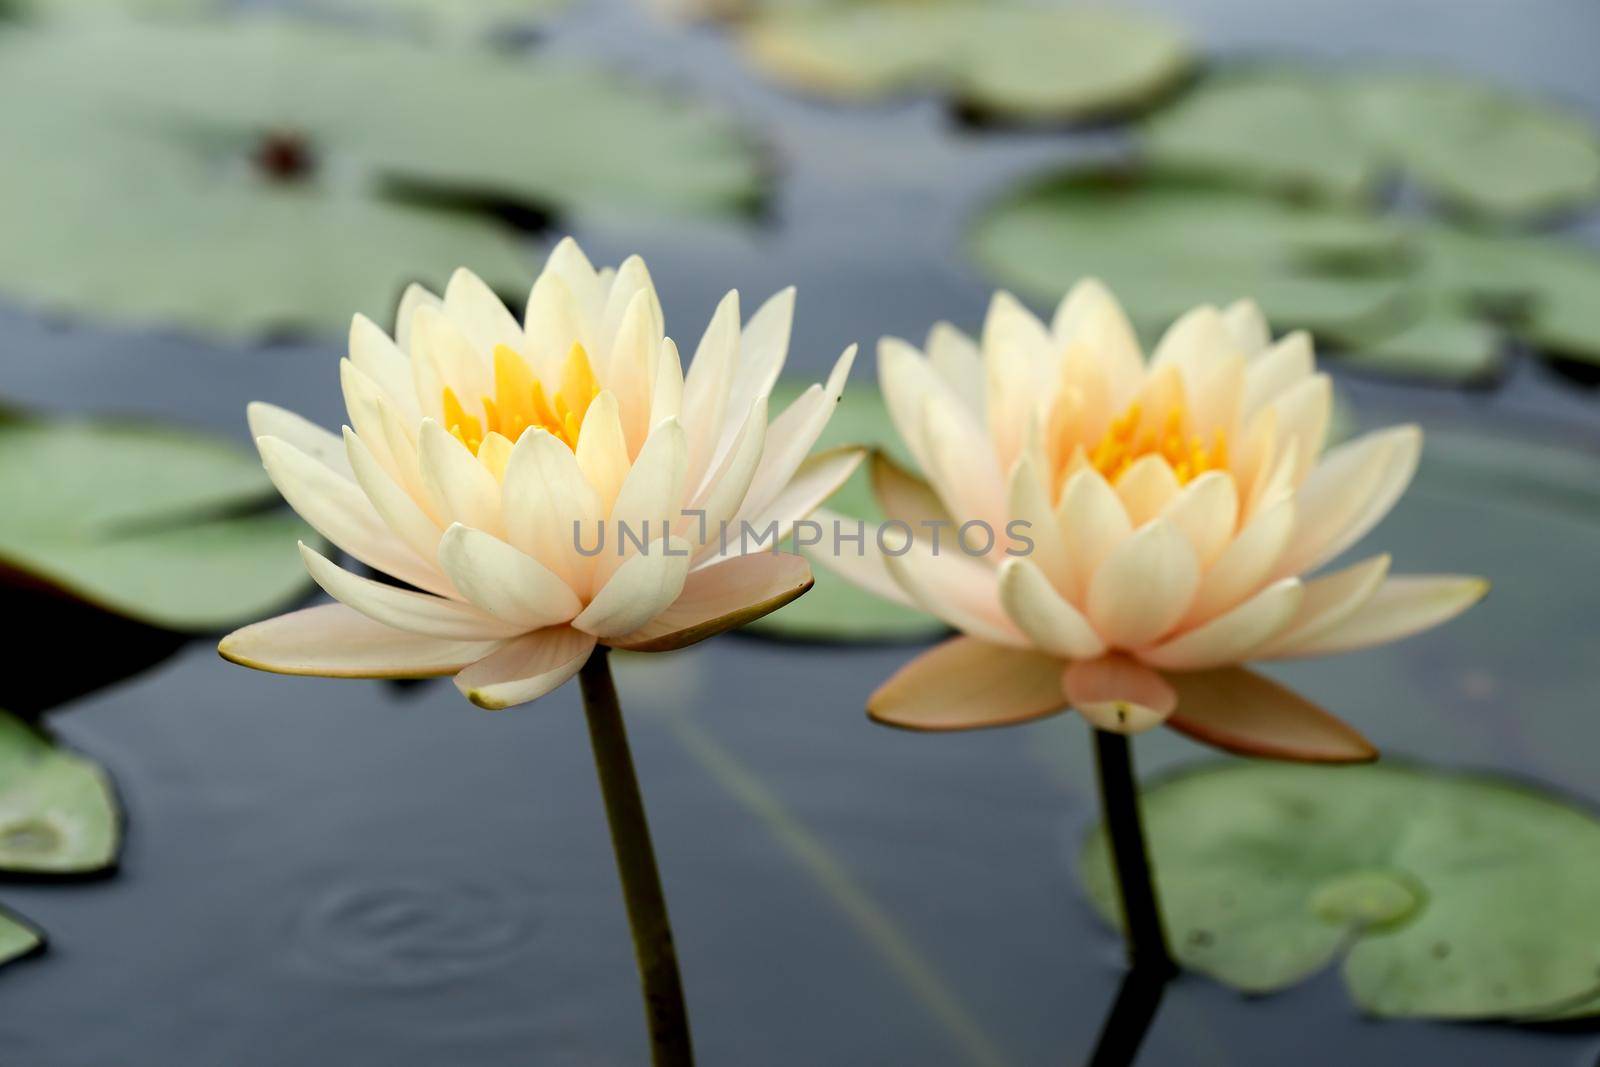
664 1009
1119 800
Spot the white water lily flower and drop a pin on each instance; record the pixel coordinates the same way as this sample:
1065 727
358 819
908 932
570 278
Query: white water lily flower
485 457
1174 507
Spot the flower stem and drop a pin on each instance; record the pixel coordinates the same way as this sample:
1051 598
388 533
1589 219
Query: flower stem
1119 799
665 1014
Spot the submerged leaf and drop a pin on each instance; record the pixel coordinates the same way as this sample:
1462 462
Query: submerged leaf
1003 58
160 525
1439 889
241 177
58 814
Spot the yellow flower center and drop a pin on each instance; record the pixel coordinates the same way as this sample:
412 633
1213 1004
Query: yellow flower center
520 403
1131 437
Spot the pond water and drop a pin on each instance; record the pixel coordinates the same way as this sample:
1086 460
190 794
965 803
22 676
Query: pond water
362 873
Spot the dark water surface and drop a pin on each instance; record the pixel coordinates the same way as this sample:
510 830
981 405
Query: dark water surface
355 873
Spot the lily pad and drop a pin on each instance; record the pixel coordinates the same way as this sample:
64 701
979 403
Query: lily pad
833 609
1475 147
258 175
18 938
1448 896
1165 246
156 524
447 18
58 814
1011 60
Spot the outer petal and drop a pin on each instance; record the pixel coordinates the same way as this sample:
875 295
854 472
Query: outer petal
1244 565
763 347
400 512
1240 711
721 597
1330 600
1234 635
966 684
1118 694
1401 607
644 586
269 420
525 669
792 434
726 486
402 609
904 496
335 641
866 568
706 385
817 479
384 361
504 582
955 588
1277 370
1051 623
1144 587
954 357
1349 492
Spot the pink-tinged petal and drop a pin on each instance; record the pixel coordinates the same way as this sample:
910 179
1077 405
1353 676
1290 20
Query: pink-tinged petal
1277 370
1144 587
792 435
1215 396
385 362
338 510
402 609
1402 606
1117 693
1093 523
907 379
1029 504
1192 344
458 486
863 566
954 587
1146 488
954 357
1302 413
1244 565
1015 346
548 503
1328 601
1232 636
269 420
1090 316
504 582
966 684
643 587
400 512
962 466
902 495
706 385
525 669
480 315
727 485
1350 492
1050 622
719 598
1207 512
335 641
1239 711
1247 326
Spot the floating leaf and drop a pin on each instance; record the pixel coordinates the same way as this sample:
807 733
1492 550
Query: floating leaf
157 524
1474 146
17 937
58 814
242 177
1007 59
1166 246
1450 896
833 609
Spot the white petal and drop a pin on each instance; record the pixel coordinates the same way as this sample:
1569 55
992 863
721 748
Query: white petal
1207 511
460 488
458 364
719 598
726 486
1244 565
480 315
526 669
763 347
1278 369
817 479
1302 413
954 357
414 298
269 420
649 502
792 435
385 363
548 506
962 465
1401 607
335 641
1144 586
1091 316
1247 326
1093 522
1029 502
861 565
666 397
1234 635
955 588
602 451
1330 600
706 385
400 512
1349 493
1052 624
554 323
362 398
634 355
643 587
902 495
1146 488
504 582
418 613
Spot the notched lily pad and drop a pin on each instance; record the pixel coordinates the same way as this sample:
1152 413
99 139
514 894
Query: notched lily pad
163 526
58 814
258 175
1007 59
833 609
1448 896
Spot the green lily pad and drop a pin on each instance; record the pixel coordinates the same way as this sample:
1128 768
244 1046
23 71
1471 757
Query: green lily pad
1477 148
833 609
1166 246
156 524
1008 59
58 814
18 938
1449 896
244 177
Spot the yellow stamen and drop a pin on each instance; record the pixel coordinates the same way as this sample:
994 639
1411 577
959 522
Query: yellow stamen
1131 437
520 403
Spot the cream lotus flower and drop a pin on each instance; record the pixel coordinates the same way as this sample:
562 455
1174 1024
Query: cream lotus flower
1173 506
484 458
